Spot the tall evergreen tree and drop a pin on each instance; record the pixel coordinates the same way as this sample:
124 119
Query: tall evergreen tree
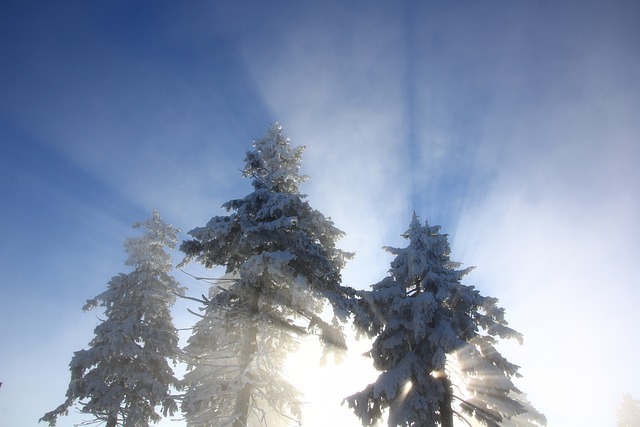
282 268
432 331
125 374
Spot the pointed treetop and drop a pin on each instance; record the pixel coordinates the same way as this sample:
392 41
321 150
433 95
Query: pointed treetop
415 220
273 165
148 249
420 235
414 225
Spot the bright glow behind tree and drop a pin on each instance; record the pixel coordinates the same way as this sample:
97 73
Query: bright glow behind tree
282 268
431 330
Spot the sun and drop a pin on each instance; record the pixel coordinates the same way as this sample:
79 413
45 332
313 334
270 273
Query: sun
326 386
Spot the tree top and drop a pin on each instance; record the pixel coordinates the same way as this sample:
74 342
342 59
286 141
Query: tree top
273 164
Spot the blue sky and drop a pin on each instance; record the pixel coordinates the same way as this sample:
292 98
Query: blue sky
513 125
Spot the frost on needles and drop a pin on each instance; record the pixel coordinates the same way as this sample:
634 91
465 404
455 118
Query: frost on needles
282 278
434 338
125 374
435 344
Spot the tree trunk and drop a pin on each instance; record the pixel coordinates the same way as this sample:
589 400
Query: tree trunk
112 421
242 407
446 411
243 404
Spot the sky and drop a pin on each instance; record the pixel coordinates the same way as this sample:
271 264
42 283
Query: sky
513 125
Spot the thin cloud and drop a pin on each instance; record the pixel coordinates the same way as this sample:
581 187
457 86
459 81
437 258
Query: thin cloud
346 104
555 232
515 128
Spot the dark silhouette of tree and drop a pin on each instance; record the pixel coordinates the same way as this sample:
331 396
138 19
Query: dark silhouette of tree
435 344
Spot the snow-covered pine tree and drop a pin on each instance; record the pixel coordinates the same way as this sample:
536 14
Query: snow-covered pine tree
629 412
125 375
435 344
282 268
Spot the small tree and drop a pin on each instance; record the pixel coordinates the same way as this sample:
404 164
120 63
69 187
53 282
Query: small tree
125 373
282 268
430 332
629 412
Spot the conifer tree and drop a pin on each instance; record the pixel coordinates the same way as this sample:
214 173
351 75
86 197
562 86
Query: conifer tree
432 332
125 375
629 412
282 274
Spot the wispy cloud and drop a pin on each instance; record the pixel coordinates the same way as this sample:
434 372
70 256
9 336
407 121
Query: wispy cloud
341 94
556 232
515 128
